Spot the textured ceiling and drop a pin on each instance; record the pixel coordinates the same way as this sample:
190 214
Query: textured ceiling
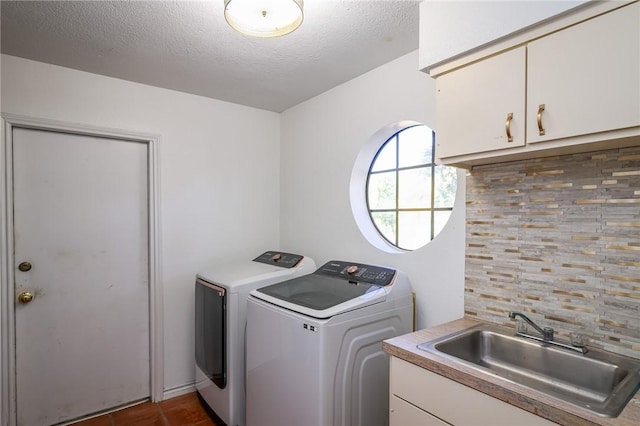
187 45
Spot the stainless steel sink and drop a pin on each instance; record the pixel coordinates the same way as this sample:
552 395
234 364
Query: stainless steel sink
599 381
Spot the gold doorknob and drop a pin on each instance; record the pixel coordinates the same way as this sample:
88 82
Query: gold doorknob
25 297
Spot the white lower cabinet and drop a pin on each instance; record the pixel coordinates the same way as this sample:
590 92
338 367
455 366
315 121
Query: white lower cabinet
419 397
403 413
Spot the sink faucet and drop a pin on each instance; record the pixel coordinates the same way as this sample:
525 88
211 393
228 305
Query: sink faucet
546 334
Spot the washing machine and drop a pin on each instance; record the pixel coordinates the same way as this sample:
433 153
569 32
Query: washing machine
314 346
220 322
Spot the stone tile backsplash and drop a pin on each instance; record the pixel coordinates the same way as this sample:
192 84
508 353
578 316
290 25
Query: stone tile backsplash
558 238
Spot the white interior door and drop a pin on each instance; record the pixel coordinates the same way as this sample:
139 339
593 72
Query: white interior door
81 221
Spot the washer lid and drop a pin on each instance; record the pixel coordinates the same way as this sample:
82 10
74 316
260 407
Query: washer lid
335 288
318 292
245 275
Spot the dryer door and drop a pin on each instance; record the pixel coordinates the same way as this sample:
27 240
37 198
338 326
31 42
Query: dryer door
211 313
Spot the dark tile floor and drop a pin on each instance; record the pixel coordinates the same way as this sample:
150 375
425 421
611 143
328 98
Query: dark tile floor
185 410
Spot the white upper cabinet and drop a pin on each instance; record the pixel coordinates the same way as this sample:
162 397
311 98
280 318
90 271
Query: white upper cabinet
574 88
450 28
481 107
586 76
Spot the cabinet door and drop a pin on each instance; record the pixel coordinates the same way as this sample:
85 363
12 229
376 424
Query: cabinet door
452 402
586 76
473 104
401 413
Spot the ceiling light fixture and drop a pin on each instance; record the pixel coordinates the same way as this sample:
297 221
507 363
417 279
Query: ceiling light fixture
264 18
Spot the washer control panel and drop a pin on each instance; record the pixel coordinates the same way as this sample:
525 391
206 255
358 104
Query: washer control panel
278 258
358 272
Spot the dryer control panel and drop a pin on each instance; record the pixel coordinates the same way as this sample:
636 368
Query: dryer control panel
358 272
278 258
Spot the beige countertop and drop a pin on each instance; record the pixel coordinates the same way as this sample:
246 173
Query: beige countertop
405 347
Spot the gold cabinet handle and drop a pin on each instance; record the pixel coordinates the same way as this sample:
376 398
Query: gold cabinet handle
507 125
540 126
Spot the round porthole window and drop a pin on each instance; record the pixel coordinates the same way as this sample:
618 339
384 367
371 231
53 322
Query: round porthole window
400 198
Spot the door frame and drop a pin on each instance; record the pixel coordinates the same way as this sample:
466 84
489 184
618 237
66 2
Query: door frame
8 401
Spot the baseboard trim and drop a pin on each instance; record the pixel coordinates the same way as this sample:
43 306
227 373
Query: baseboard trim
178 391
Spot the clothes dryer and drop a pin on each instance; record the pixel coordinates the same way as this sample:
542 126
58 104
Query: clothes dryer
220 322
314 346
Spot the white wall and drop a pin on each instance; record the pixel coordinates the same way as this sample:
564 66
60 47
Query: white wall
219 175
218 172
320 141
449 28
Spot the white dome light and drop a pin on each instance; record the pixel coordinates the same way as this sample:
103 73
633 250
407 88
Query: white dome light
264 18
